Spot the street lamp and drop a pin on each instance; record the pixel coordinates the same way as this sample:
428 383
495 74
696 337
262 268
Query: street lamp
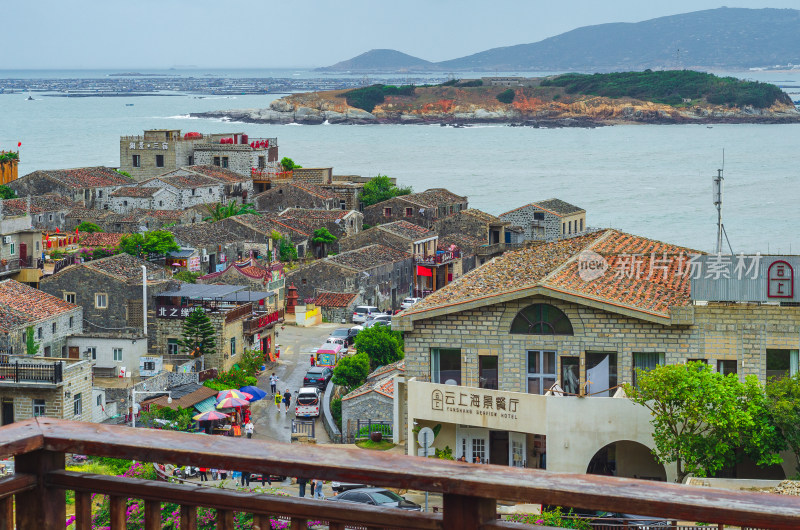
133 401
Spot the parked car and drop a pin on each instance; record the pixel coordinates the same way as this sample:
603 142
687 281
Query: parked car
337 340
308 402
317 376
339 487
345 334
361 312
380 320
408 302
377 497
256 477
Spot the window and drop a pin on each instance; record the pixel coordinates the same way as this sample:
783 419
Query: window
69 297
47 351
38 407
71 322
538 216
343 205
39 333
101 300
224 161
117 354
161 203
541 371
487 371
99 400
149 365
137 161
190 161
262 162
541 319
387 212
601 373
54 327
124 203
581 225
210 191
781 363
409 212
193 191
570 374
216 161
172 346
727 367
99 194
233 346
77 405
563 228
64 351
446 366
646 361
93 351
159 160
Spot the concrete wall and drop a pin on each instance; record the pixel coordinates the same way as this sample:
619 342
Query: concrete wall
133 347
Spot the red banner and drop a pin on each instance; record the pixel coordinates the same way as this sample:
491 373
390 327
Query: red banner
424 271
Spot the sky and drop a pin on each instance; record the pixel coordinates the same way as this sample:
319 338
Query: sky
86 34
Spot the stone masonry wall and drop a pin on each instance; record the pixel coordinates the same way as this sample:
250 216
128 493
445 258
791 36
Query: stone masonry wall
369 406
77 380
313 175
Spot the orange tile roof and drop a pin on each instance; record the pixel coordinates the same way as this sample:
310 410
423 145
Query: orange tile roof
21 304
101 239
324 299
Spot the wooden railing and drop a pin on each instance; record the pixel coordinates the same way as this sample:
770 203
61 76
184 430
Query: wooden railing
35 495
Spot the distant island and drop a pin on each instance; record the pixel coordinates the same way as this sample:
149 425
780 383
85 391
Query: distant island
678 96
714 39
136 74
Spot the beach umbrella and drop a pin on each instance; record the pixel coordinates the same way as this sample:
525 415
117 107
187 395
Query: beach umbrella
231 393
210 415
256 392
232 403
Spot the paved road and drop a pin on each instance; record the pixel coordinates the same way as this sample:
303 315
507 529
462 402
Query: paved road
296 345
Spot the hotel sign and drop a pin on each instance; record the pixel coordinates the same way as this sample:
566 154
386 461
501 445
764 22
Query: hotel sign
745 278
471 401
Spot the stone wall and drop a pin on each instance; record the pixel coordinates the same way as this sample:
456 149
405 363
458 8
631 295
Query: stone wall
241 158
313 175
374 236
401 210
77 381
551 228
347 193
369 406
45 336
284 195
147 151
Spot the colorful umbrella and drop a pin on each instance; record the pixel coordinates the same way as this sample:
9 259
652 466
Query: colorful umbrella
232 403
254 391
210 415
232 393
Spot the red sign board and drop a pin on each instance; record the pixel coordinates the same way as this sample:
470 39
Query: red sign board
780 280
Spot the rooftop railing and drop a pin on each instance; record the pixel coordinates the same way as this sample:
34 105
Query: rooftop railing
35 494
17 372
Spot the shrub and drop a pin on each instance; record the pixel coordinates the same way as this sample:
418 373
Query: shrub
364 432
551 518
188 276
367 98
336 411
506 96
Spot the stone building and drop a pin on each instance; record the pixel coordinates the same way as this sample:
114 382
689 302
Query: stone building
548 220
216 246
313 175
340 223
422 209
89 186
161 150
35 386
380 275
191 188
134 221
482 226
253 275
372 401
47 211
51 318
575 317
20 249
128 198
236 186
336 307
259 228
348 189
295 195
110 292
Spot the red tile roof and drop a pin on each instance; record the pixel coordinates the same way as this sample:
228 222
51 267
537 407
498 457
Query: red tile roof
84 177
219 173
50 202
334 299
366 258
101 239
127 268
135 191
407 230
310 213
186 180
21 305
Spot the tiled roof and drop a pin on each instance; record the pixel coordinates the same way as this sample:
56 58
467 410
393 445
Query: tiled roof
297 224
554 206
101 239
185 401
365 258
265 225
483 216
187 180
249 269
407 230
202 234
334 299
400 366
84 177
127 268
462 241
135 191
311 213
383 386
555 266
433 198
50 202
21 305
219 173
314 190
161 214
86 213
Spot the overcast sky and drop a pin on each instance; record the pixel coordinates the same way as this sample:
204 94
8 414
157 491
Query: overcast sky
296 33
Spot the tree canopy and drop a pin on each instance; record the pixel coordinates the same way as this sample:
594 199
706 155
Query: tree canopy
31 346
351 372
153 242
288 164
366 98
783 403
7 193
198 336
380 188
219 211
381 345
86 226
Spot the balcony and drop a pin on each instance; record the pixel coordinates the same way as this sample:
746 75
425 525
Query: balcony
269 174
47 373
34 496
261 320
438 259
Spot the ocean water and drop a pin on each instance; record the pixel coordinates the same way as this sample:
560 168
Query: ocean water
651 180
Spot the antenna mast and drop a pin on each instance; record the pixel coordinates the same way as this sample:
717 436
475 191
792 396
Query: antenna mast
717 188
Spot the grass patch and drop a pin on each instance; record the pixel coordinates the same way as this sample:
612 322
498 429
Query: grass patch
383 445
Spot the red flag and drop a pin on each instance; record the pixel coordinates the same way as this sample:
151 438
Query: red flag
57 230
19 144
424 271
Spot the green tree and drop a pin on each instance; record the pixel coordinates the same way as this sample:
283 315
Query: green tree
380 188
351 372
123 173
288 164
188 276
7 193
382 345
153 242
31 346
288 252
322 238
783 403
506 96
86 226
174 420
198 336
219 211
702 420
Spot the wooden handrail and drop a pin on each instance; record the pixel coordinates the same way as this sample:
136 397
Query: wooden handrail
466 488
16 484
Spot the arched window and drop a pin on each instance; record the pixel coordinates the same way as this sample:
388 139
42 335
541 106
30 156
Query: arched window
541 319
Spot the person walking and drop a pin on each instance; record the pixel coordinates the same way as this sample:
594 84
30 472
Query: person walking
278 399
273 382
248 429
313 361
302 483
287 399
318 489
203 474
246 478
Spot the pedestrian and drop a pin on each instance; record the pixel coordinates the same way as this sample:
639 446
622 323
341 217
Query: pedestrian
278 399
313 360
203 474
214 474
248 428
318 489
302 483
287 399
273 382
246 478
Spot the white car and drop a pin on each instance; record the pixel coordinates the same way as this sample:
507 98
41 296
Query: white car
408 302
307 403
379 320
362 312
337 340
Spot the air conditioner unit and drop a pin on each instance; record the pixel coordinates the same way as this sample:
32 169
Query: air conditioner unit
205 258
6 240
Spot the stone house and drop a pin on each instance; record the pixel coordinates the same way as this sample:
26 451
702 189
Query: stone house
340 223
36 386
295 195
480 225
380 275
544 320
372 401
235 186
548 220
191 188
128 198
217 247
313 175
52 319
253 275
259 228
336 307
134 221
348 189
20 249
90 186
422 209
110 292
47 211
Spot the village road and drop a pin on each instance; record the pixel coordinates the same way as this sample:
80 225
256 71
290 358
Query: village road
296 345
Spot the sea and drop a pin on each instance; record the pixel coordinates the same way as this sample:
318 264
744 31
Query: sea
651 180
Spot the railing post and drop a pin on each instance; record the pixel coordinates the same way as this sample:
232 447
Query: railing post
41 507
7 513
224 520
462 512
118 508
189 517
152 515
83 510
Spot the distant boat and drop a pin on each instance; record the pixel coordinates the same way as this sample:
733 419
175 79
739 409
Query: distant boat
29 98
129 104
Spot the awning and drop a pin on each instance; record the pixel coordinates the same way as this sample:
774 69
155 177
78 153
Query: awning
206 405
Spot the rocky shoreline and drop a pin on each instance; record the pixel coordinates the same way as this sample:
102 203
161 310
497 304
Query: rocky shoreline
591 113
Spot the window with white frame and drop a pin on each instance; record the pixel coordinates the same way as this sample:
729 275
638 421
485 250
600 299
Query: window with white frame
39 407
117 354
69 297
101 300
541 371
77 405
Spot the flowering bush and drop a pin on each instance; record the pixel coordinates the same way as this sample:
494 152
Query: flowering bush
552 518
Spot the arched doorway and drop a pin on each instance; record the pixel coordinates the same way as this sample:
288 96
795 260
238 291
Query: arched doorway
626 458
